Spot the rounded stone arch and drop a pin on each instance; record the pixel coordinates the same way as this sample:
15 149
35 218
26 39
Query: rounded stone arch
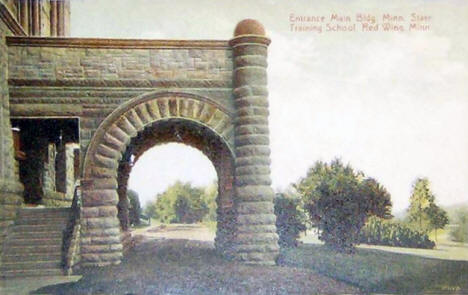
112 136
103 240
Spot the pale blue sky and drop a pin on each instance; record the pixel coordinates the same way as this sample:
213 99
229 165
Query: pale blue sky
394 105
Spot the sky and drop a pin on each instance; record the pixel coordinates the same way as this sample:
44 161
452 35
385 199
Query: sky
392 104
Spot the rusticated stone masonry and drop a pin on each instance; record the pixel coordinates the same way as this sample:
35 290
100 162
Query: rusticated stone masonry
102 239
256 240
132 94
11 189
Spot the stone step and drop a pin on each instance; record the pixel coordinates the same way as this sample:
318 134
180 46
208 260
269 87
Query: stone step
6 266
44 212
41 221
44 249
32 272
35 235
33 242
28 257
38 228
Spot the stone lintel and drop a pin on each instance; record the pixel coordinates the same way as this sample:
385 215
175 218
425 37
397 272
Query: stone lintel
100 43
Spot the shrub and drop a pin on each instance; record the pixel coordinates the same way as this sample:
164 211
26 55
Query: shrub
290 219
180 203
134 209
388 233
339 200
460 232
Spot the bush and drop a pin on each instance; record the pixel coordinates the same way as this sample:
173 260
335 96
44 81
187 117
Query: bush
384 232
180 203
290 220
134 208
339 200
460 232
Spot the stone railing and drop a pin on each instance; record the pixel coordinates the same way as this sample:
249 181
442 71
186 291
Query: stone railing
71 235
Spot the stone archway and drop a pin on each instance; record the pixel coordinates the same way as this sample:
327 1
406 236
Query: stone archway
245 134
102 239
200 137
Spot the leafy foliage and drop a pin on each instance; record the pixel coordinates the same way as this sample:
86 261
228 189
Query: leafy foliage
460 232
134 208
339 200
181 203
290 219
378 231
210 193
423 213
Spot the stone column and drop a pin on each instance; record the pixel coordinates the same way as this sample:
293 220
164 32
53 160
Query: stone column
101 240
53 18
256 240
36 18
60 18
124 173
24 14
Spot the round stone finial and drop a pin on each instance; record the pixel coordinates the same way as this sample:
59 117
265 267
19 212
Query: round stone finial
249 27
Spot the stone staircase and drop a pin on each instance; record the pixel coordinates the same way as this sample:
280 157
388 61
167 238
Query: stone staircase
33 246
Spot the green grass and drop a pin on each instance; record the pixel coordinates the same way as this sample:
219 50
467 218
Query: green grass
192 267
381 271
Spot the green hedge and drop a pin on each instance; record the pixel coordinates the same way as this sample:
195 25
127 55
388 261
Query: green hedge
290 220
382 232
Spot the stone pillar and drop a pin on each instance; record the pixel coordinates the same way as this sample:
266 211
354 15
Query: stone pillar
124 173
35 18
49 175
24 14
256 240
61 18
70 179
101 239
53 18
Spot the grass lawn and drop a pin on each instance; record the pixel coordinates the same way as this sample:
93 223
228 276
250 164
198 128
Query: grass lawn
191 267
180 259
381 271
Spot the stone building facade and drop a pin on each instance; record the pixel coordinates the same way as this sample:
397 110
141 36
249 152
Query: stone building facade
104 102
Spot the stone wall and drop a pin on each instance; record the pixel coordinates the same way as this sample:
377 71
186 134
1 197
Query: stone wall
10 187
117 88
90 83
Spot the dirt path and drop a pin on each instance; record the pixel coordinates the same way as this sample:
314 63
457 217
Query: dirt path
195 232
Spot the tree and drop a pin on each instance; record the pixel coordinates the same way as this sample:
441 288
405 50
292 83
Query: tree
180 203
290 219
460 232
423 213
134 208
209 196
438 218
339 200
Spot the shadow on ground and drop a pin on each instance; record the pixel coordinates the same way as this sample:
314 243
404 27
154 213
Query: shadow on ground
161 266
